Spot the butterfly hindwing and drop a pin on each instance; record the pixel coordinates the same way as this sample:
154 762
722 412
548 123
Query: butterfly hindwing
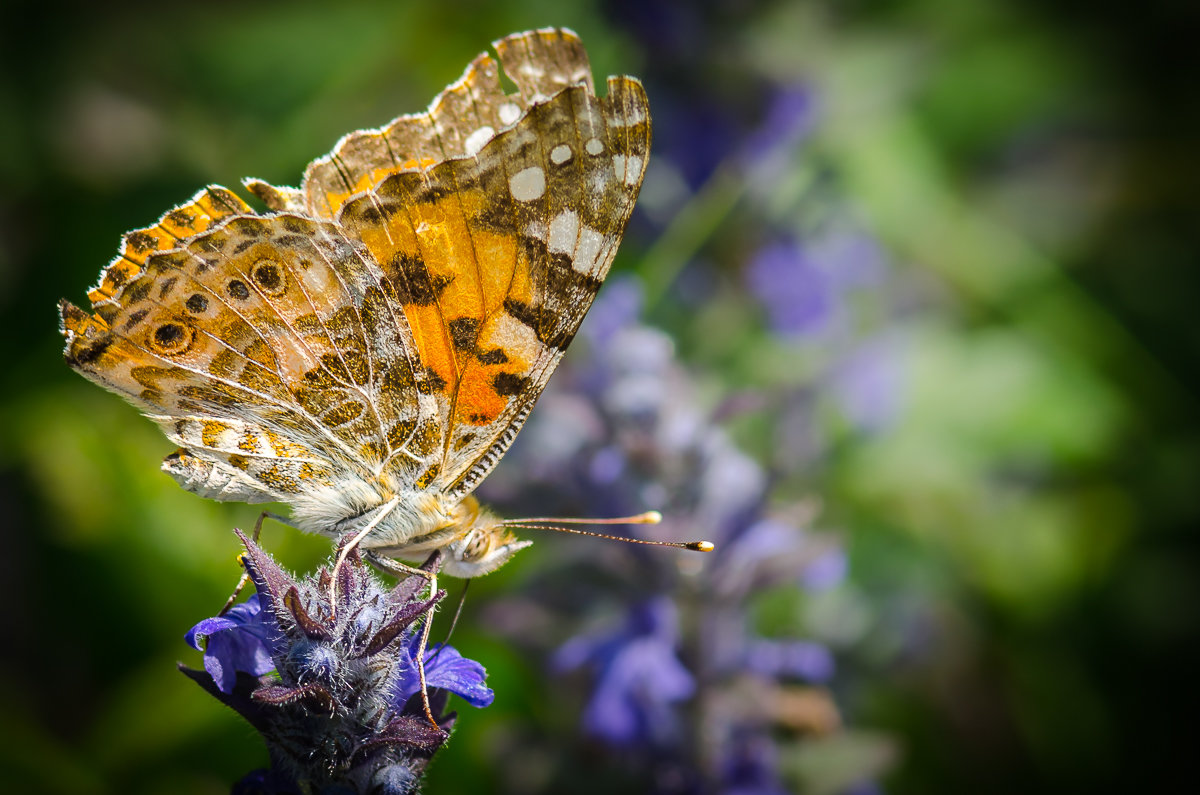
187 220
267 345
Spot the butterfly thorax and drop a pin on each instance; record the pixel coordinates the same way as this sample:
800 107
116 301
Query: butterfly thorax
475 540
407 523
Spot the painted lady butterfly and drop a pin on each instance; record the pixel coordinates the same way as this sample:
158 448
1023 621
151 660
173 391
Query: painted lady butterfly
367 350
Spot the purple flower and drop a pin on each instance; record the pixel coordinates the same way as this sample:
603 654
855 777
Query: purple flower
867 384
771 551
825 570
750 764
790 659
445 669
329 684
629 432
854 258
638 675
805 285
791 116
798 294
240 640
616 307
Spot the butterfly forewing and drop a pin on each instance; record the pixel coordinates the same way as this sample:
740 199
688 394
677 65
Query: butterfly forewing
459 121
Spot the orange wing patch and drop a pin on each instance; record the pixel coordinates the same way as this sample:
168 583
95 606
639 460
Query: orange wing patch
452 277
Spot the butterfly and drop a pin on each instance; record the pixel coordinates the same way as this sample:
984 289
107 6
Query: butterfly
367 349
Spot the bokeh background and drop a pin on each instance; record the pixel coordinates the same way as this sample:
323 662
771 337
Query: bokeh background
928 265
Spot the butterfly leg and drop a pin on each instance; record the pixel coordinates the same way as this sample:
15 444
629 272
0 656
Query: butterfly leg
398 569
353 543
421 656
394 567
245 578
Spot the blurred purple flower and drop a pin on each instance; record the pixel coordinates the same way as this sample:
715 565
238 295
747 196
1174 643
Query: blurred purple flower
854 258
641 439
804 285
695 134
798 659
638 675
867 384
791 116
617 307
864 787
798 294
750 765
826 570
771 551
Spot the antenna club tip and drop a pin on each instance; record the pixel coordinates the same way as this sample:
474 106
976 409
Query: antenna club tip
702 546
652 517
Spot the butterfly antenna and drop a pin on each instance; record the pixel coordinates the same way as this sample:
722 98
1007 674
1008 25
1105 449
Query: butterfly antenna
649 517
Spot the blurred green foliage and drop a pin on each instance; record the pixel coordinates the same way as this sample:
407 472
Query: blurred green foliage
1032 170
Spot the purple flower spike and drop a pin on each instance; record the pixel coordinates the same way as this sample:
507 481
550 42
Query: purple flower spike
771 551
798 659
328 685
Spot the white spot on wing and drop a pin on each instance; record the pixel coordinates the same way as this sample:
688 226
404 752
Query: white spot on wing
568 236
315 279
511 334
528 184
564 230
588 250
509 113
537 230
627 169
634 116
560 154
593 146
477 139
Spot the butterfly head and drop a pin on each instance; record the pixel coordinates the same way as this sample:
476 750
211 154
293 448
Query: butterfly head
483 545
